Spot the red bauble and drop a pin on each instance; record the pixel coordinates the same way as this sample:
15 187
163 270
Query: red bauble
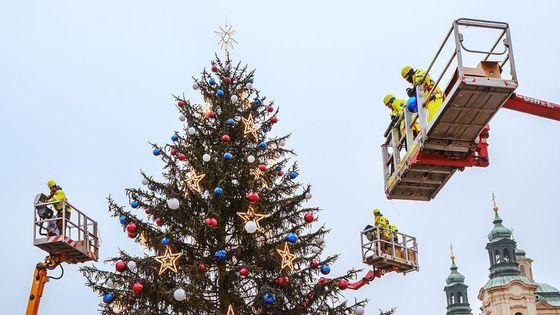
227 80
214 68
286 280
201 267
180 103
213 222
280 281
280 173
323 280
173 152
131 228
208 221
314 263
120 266
159 221
244 272
343 284
270 109
253 197
309 217
262 167
138 288
225 138
148 211
181 157
274 119
211 114
131 235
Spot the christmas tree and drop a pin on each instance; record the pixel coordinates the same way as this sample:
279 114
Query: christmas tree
228 225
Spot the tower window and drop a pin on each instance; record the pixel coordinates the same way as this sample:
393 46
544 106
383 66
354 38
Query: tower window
497 257
506 255
518 313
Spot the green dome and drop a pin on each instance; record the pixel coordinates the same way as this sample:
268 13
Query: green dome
546 288
519 253
499 231
454 277
503 280
548 293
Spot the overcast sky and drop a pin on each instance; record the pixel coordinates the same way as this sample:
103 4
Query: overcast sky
84 86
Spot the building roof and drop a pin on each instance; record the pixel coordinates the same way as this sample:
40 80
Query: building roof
549 294
503 280
454 277
499 231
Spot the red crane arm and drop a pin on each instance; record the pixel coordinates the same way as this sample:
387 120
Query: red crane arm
533 106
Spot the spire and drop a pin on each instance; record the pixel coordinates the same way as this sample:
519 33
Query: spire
454 277
499 231
456 291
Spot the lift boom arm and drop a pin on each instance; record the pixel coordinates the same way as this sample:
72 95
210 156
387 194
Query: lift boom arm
39 280
533 106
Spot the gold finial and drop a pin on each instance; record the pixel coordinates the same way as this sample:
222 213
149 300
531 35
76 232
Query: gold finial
495 208
452 255
225 35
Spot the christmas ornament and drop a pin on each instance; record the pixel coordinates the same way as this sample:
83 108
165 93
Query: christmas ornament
230 122
282 143
156 152
108 298
195 86
181 157
131 228
180 103
165 241
293 174
211 114
220 254
250 127
325 269
227 80
134 204
269 298
213 222
192 131
319 240
152 187
228 156
309 217
286 280
168 260
131 265
250 215
258 101
110 284
234 98
214 68
230 310
308 196
225 138
193 182
250 159
316 250
280 173
122 219
251 227
270 109
249 86
292 237
173 152
262 167
174 138
206 157
144 182
258 177
138 288
220 92
251 80
253 197
182 118
274 119
173 203
244 272
120 266
359 310
287 257
314 263
131 235
147 211
159 221
225 34
179 294
280 280
218 191
201 267
262 145
212 81
343 284
265 130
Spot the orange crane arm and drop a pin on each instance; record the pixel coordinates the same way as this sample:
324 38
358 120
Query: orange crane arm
39 280
533 106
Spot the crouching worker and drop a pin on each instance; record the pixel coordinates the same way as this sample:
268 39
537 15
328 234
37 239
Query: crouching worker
57 195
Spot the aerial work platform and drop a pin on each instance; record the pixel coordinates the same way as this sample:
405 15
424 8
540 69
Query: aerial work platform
78 239
416 167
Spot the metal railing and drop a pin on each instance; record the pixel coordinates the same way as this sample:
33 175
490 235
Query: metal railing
398 247
80 228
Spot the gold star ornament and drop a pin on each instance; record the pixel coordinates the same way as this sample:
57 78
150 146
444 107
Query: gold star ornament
258 176
230 310
250 127
287 257
193 182
168 261
250 215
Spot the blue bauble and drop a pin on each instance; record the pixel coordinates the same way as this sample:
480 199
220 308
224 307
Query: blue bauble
258 100
108 298
123 219
212 81
265 130
134 204
292 237
228 156
278 168
156 152
220 93
293 174
262 145
230 122
251 80
220 254
218 191
152 187
412 104
269 298
165 241
174 138
325 269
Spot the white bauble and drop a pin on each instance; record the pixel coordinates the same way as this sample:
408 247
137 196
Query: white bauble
227 66
144 182
250 159
319 240
131 265
251 227
249 86
179 294
173 203
234 98
308 196
206 157
316 250
359 310
110 284
117 308
195 86
182 118
282 143
192 131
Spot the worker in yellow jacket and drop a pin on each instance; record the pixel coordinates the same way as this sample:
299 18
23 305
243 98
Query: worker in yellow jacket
383 223
397 105
417 77
57 195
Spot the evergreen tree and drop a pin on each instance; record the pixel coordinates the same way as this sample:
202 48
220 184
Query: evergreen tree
228 225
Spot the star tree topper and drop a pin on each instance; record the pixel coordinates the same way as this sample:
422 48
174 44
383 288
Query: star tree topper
168 261
287 257
225 36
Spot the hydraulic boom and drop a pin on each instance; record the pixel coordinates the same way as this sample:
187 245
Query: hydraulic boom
533 106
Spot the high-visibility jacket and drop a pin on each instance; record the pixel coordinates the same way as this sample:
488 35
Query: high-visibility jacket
58 196
397 107
436 100
394 231
383 222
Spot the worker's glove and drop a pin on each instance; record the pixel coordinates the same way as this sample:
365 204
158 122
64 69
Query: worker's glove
410 92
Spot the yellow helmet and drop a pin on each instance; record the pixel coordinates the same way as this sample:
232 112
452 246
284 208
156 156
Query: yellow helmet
51 183
405 71
376 211
387 99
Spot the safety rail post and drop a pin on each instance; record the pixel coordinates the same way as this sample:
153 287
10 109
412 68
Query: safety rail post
408 128
395 144
422 111
385 157
458 40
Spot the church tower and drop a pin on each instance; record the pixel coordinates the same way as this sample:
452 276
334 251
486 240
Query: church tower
456 292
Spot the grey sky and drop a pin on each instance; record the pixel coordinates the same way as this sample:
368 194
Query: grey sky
85 85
